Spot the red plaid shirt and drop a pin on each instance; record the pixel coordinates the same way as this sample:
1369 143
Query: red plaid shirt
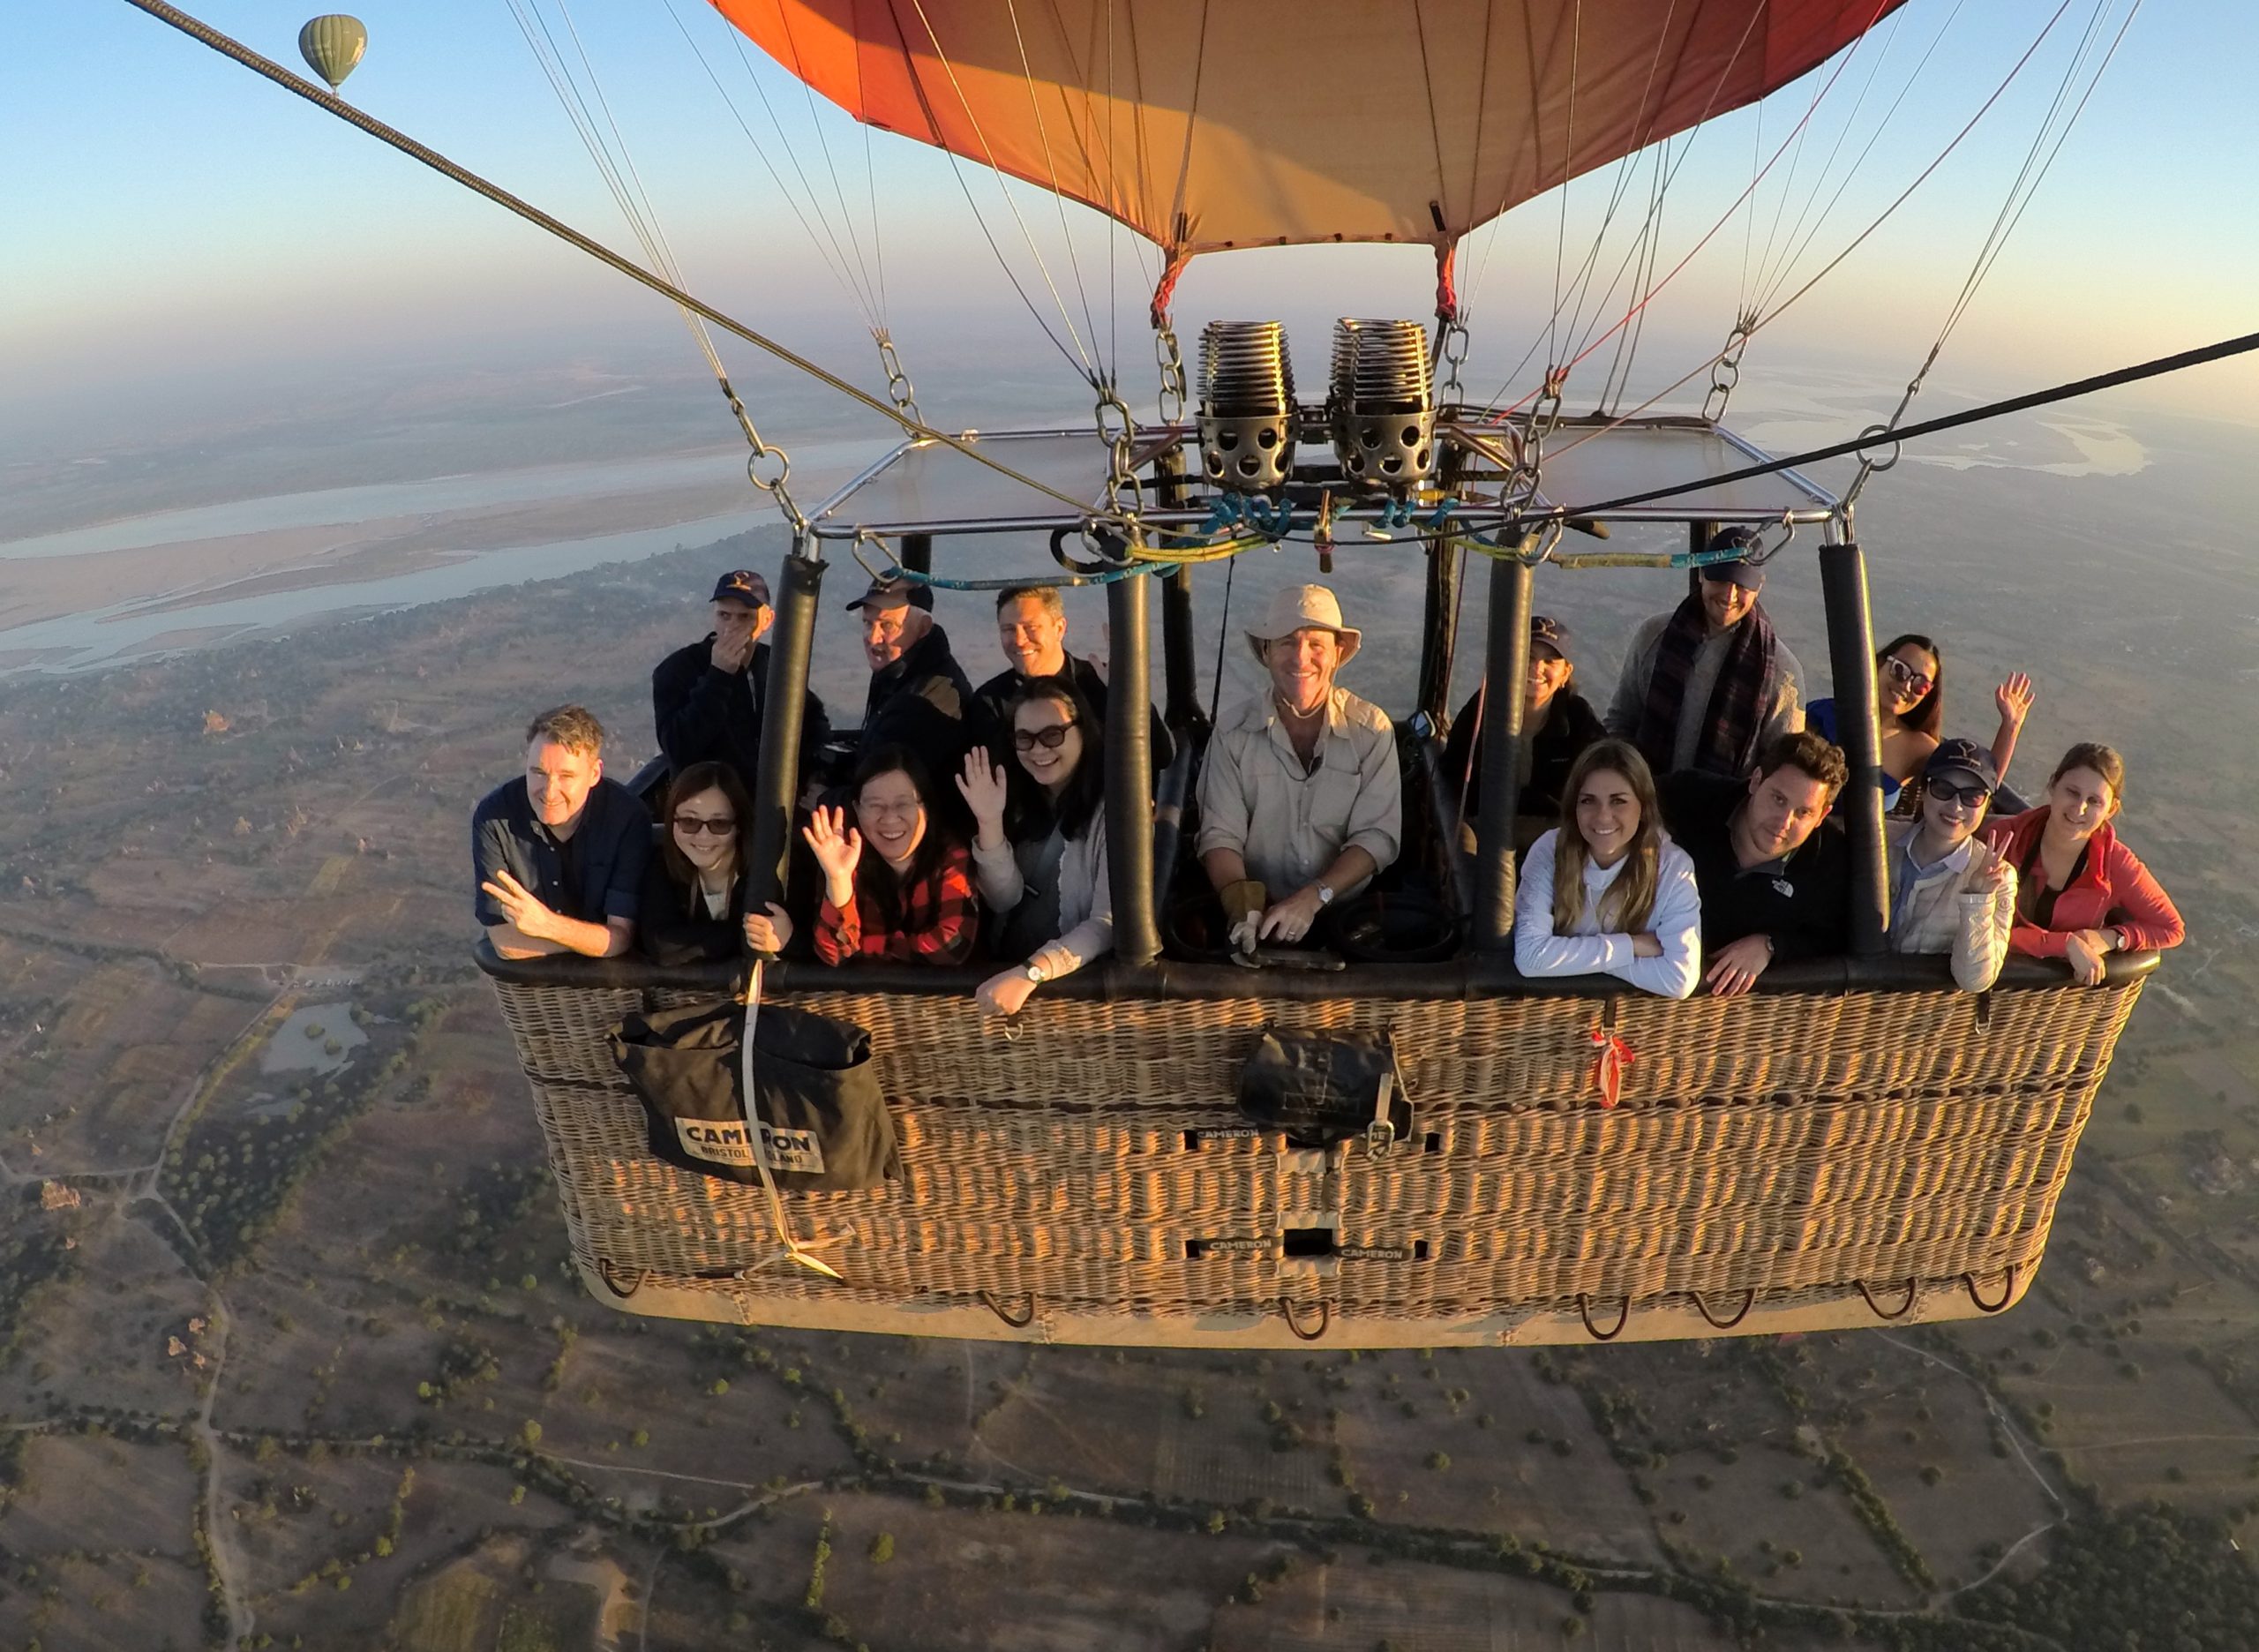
941 915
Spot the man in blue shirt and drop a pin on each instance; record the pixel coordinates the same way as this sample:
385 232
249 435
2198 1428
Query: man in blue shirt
559 852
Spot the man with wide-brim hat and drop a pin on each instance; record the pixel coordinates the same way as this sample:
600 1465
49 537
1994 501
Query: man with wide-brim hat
1300 800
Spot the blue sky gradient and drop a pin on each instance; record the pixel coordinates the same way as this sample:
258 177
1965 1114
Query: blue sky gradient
163 212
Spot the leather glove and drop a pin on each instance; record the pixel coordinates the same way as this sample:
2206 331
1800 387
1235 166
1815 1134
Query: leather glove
1243 904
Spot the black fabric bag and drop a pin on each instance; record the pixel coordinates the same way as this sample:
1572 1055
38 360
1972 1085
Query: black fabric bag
1325 1087
821 1117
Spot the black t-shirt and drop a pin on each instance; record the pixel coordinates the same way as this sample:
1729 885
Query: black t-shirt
1802 900
1571 724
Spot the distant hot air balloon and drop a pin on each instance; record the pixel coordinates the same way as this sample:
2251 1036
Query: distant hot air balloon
1212 123
332 45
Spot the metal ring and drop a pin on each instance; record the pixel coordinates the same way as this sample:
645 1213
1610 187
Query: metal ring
2008 1291
605 1270
997 1307
753 468
1325 1319
1584 1311
1874 433
1913 1290
1748 1301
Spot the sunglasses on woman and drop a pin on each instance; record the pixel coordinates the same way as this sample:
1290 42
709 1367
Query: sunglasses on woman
1970 796
690 826
1918 681
1050 738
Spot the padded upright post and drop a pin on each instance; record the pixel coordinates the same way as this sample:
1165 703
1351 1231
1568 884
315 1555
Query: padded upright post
1851 662
1130 775
777 784
1506 665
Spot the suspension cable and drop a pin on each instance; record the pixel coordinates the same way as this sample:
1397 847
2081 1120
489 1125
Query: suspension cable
227 46
1741 335
1090 369
2028 180
833 255
767 466
1894 435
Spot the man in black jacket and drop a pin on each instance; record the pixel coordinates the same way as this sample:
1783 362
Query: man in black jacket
1032 629
707 698
1774 870
919 695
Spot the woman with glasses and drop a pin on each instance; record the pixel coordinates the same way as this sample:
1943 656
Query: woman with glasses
2082 894
1950 893
1606 892
1910 706
897 887
1039 843
693 906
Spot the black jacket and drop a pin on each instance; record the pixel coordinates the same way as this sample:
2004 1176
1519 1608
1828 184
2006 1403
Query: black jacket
1802 900
924 703
673 929
1570 725
992 709
708 715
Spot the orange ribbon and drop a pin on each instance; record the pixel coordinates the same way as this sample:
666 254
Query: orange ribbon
1608 1067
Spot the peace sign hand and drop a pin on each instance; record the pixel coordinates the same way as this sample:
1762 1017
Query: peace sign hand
520 904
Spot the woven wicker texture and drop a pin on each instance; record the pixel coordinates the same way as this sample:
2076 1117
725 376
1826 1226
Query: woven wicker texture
1789 1146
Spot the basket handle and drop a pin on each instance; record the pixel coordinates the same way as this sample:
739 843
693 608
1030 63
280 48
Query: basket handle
1748 1301
608 1271
2008 1291
1018 1322
1913 1289
1584 1311
1325 1319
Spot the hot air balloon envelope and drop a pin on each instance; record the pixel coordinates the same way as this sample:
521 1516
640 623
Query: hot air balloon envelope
332 46
1213 124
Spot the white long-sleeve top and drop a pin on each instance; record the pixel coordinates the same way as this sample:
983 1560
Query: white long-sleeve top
1676 922
1086 897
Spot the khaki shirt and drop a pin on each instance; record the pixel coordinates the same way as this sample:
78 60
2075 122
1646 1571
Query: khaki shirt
1288 825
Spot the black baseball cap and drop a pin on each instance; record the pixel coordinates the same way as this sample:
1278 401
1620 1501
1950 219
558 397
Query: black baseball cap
741 585
893 594
1965 757
1740 572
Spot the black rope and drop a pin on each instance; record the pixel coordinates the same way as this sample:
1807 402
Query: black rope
228 47
2163 364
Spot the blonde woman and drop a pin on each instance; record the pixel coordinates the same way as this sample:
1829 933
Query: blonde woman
1606 891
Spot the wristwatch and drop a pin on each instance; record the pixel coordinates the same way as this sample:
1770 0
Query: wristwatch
1037 973
1324 893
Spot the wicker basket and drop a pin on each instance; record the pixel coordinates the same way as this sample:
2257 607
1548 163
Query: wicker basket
1791 1160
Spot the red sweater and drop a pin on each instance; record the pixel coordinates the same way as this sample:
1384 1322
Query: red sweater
2114 889
941 914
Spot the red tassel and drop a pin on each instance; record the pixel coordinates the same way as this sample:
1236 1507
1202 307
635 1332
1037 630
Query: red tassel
1608 1067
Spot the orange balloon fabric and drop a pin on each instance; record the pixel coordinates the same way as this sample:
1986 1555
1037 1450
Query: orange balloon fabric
1206 125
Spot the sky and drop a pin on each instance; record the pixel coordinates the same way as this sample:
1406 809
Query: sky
167 218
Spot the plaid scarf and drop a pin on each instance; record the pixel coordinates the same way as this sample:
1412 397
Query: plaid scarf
1738 702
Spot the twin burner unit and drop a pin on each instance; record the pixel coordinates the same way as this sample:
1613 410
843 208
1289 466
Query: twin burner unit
1379 411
